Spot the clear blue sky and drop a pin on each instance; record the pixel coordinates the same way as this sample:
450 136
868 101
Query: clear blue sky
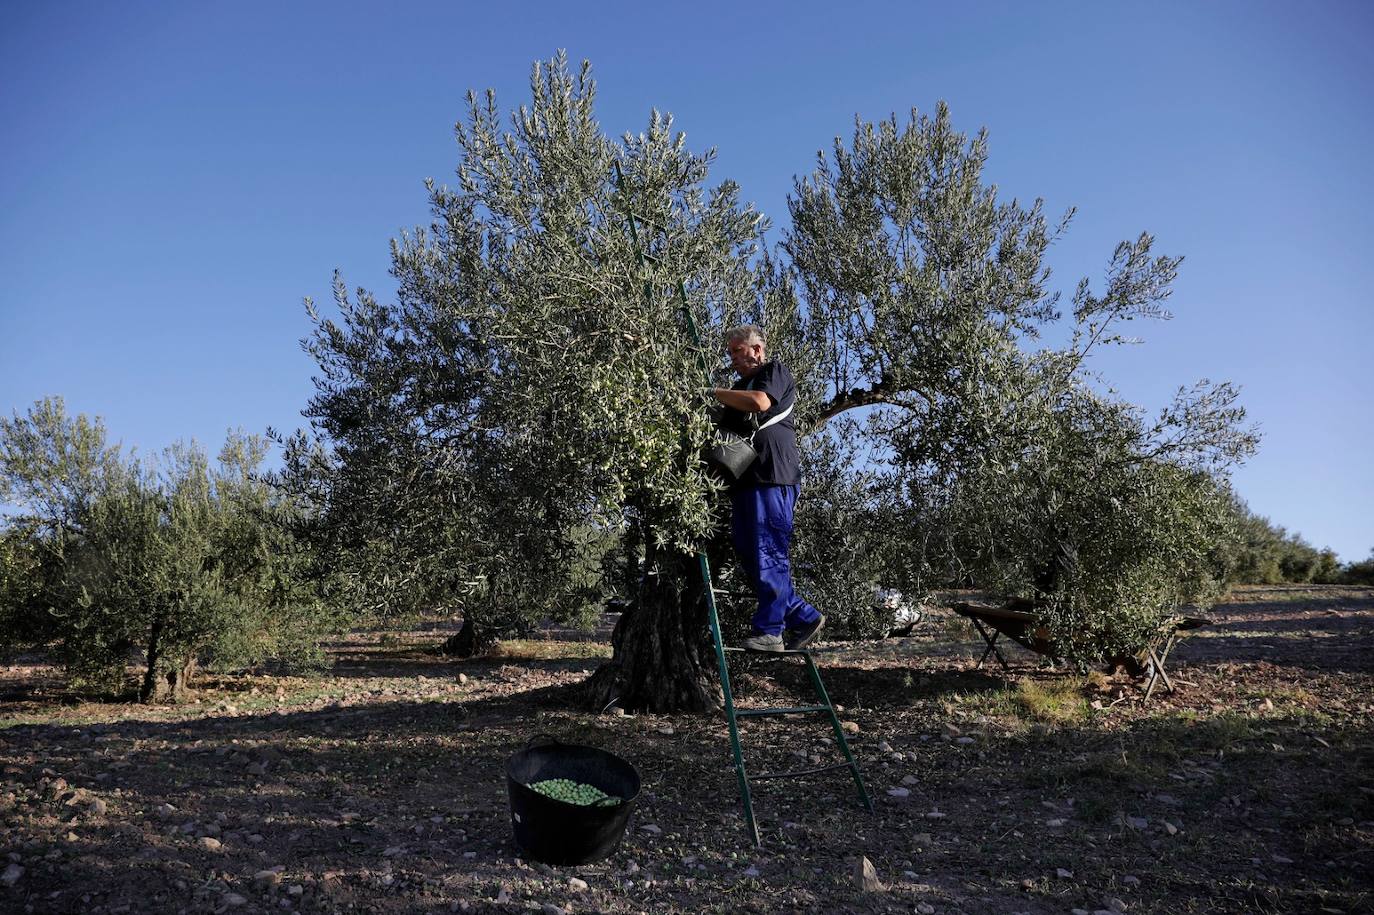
174 178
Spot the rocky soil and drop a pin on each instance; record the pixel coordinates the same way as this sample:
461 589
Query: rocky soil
380 786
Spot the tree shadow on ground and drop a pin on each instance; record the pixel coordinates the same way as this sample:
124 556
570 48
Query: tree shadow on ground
346 799
1269 812
1333 612
1330 635
414 664
870 687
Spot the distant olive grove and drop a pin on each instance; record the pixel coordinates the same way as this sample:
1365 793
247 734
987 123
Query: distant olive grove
109 560
1264 553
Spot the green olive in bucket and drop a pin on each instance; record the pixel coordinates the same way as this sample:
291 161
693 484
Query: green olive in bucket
571 792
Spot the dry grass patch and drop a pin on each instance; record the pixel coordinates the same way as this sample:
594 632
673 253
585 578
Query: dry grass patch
548 650
1053 702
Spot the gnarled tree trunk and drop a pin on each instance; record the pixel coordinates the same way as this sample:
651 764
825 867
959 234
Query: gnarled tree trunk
662 657
178 678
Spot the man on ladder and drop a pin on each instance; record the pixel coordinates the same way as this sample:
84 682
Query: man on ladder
763 499
762 528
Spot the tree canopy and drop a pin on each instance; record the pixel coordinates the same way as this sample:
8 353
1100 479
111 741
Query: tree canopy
534 390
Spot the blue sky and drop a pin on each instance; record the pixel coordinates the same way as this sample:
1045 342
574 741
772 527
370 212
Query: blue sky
174 178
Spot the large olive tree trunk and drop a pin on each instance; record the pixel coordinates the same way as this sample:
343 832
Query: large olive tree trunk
662 658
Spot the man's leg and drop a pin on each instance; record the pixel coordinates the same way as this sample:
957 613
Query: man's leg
744 526
753 539
779 605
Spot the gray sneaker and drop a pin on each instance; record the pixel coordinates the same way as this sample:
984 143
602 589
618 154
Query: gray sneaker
799 637
763 642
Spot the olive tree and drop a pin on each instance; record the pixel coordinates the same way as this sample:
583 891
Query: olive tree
1019 468
535 379
109 560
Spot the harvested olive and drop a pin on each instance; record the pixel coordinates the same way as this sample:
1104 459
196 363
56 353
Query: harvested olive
571 792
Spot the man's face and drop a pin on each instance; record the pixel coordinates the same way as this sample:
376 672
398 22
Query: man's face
746 356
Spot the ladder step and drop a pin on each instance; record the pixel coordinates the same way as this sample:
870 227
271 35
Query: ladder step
765 712
785 653
766 775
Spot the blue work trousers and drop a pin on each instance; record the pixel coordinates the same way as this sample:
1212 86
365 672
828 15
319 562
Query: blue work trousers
761 527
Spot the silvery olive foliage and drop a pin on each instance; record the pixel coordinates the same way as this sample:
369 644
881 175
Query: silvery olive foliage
1017 468
534 386
534 391
111 559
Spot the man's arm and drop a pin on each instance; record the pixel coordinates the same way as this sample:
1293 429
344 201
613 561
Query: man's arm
744 401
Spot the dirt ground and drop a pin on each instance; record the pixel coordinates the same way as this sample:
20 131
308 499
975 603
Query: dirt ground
380 786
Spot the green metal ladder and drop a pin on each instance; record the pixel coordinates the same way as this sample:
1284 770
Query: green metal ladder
733 714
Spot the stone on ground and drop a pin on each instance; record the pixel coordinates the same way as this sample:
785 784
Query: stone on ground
866 877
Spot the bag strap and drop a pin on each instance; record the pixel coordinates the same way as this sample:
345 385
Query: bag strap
776 419
753 417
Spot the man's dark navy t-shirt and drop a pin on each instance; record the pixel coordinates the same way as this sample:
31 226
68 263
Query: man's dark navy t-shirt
778 463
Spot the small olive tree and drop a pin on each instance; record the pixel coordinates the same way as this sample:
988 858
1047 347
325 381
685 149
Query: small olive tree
108 560
1089 519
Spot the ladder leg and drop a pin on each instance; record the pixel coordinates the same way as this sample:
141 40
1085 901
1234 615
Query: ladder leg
730 717
1164 658
839 730
992 645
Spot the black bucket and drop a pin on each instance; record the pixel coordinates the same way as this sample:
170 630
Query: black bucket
557 832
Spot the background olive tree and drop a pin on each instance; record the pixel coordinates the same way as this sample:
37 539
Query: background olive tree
1358 573
112 561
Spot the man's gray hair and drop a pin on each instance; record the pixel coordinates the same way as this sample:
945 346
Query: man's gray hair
747 333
